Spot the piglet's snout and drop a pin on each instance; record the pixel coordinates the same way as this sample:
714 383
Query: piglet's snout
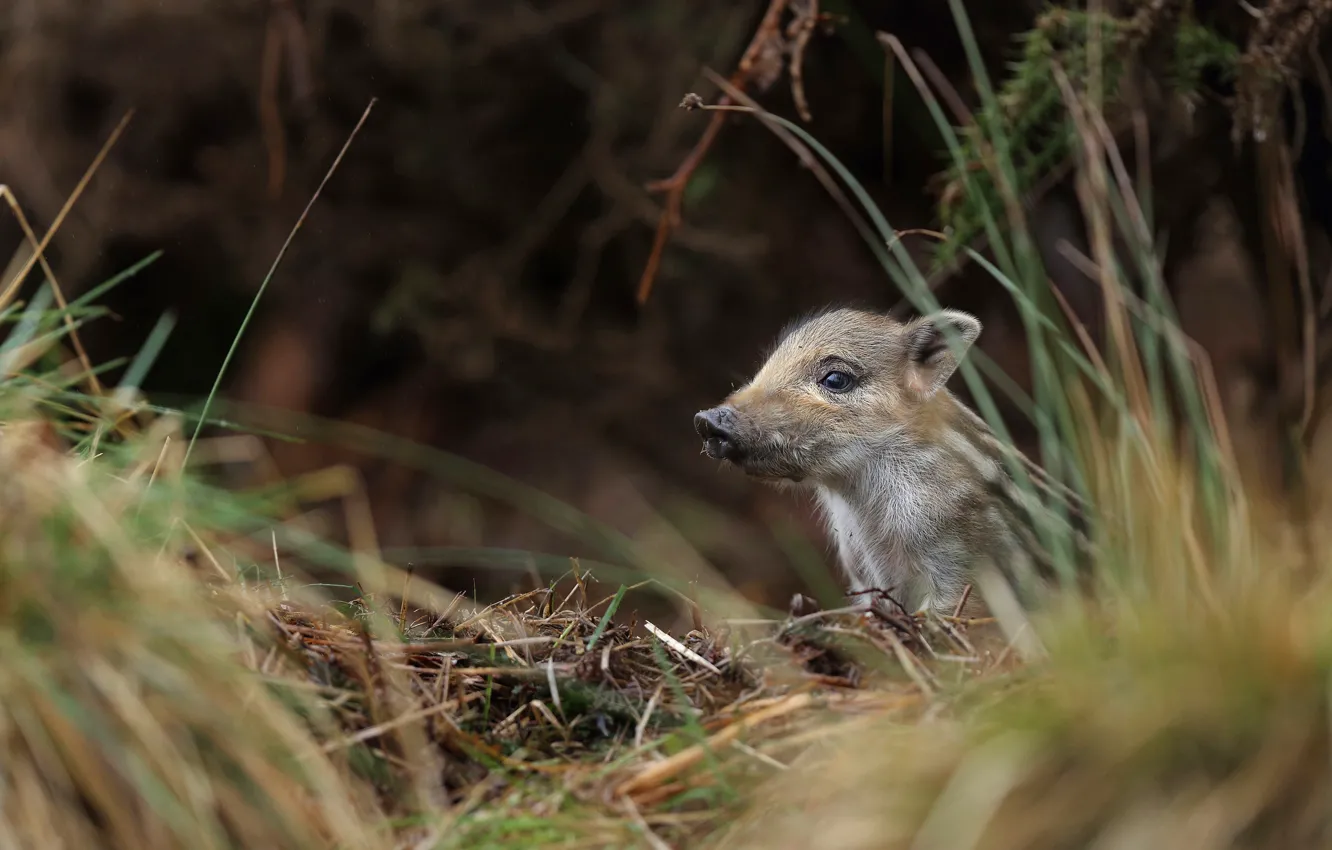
718 428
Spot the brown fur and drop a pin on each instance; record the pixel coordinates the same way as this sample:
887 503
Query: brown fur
910 481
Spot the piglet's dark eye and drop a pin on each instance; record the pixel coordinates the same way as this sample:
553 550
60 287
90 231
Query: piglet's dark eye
837 382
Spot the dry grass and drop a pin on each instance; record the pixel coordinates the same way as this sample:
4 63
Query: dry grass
129 716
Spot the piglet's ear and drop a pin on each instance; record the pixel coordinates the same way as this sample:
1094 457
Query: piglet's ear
935 345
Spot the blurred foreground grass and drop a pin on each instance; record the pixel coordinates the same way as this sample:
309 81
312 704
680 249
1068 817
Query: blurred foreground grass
173 675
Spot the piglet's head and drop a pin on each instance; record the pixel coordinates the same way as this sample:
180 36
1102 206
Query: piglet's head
837 389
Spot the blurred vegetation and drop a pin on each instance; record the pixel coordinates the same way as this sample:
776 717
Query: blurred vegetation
1031 106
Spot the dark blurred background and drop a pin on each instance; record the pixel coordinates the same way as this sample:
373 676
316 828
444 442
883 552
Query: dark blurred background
468 278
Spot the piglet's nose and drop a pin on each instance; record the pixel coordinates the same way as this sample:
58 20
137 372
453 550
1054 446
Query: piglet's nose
717 429
715 423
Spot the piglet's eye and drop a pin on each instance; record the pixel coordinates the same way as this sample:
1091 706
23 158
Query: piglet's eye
837 382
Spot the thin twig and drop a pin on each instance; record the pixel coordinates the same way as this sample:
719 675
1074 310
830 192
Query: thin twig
674 186
680 649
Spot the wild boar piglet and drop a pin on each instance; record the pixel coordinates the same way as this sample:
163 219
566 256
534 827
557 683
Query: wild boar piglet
911 482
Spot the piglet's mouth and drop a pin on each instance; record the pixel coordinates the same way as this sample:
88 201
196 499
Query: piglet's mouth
726 450
755 465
